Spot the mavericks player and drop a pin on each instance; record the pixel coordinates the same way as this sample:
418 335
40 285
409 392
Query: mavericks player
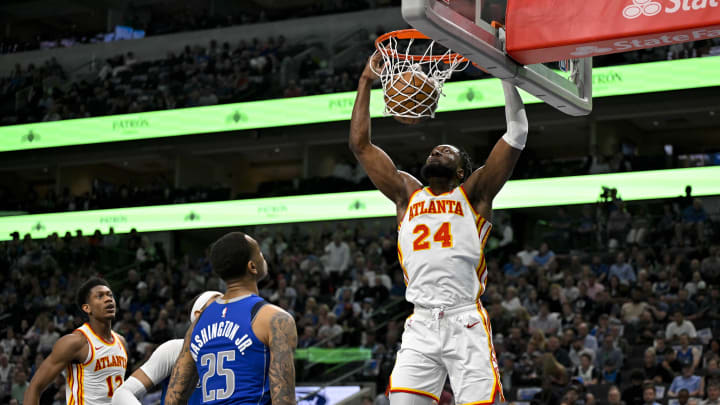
442 230
93 356
158 367
240 348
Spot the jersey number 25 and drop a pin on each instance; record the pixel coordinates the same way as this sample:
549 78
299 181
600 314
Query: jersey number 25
216 366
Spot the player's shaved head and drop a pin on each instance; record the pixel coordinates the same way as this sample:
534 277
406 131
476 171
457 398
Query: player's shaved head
230 255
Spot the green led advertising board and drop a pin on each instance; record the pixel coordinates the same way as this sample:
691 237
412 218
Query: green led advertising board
357 205
465 95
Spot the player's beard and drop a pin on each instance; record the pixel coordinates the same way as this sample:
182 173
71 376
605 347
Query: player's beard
436 170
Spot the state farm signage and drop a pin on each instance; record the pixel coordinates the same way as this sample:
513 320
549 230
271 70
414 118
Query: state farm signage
548 31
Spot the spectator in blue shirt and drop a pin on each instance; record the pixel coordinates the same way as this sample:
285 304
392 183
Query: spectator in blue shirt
515 267
623 270
544 257
589 341
599 268
610 375
688 381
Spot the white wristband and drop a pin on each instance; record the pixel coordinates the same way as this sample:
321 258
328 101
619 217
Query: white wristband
517 124
130 392
517 142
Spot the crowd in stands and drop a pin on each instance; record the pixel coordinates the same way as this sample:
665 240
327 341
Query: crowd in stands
105 195
630 314
216 74
158 20
609 304
195 76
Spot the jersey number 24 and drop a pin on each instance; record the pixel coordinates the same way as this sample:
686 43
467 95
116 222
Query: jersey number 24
442 235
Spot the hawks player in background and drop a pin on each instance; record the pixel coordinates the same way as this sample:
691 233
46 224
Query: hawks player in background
93 356
156 371
442 230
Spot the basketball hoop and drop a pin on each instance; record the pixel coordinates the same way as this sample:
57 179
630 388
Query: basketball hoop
414 71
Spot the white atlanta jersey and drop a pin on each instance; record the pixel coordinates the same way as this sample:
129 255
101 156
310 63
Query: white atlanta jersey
95 381
440 248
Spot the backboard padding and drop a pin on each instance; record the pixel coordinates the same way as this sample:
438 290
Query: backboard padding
484 45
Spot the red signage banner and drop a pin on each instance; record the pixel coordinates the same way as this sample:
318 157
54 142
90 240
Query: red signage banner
552 30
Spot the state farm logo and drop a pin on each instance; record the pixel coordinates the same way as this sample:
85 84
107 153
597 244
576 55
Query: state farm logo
642 7
650 8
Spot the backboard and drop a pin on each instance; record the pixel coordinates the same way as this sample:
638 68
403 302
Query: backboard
465 26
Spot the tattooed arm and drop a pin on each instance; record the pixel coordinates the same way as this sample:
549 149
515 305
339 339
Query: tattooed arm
283 340
184 375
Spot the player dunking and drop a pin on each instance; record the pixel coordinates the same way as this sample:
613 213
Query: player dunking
93 356
156 371
240 347
442 230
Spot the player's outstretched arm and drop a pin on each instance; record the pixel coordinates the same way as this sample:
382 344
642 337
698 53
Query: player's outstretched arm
184 377
67 349
395 184
157 368
282 341
484 184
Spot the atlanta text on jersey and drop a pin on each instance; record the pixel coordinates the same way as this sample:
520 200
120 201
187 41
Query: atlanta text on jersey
436 207
110 361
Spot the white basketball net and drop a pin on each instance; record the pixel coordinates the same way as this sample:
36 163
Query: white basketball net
427 73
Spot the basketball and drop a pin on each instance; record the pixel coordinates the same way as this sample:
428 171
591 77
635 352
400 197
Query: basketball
411 92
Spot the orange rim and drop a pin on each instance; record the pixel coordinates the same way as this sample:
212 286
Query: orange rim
413 34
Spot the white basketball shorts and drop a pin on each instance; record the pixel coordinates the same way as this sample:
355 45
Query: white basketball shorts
457 342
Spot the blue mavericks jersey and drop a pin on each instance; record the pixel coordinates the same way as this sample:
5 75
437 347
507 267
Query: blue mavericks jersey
195 398
232 363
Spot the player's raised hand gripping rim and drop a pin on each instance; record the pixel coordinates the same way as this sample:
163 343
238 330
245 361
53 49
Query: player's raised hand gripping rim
373 67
